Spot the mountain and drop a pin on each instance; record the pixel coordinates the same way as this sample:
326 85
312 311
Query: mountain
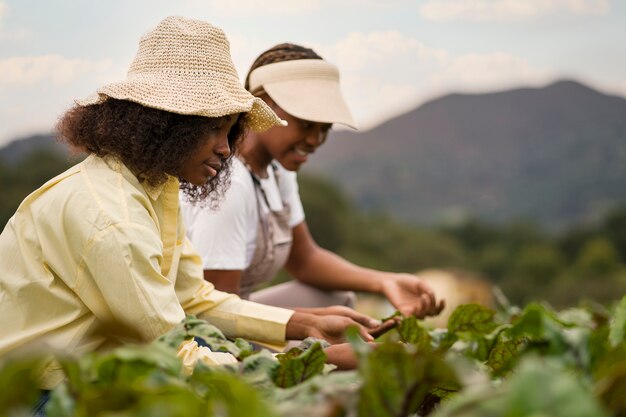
13 152
555 155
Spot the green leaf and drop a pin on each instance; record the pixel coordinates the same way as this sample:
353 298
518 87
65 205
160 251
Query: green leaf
229 395
18 385
442 340
610 375
191 327
395 314
411 332
537 388
473 319
397 379
503 355
334 394
617 324
297 366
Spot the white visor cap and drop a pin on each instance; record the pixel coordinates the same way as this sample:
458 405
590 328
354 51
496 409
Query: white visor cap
305 88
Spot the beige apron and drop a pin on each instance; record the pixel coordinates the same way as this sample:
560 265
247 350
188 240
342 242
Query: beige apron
273 241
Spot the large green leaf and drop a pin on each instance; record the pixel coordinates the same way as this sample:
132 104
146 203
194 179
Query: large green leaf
397 379
412 332
473 319
503 355
297 366
192 327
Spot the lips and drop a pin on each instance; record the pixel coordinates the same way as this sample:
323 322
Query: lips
214 168
303 152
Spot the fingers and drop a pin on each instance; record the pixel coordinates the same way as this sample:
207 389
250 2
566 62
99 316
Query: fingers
342 356
383 328
421 307
365 334
363 319
334 329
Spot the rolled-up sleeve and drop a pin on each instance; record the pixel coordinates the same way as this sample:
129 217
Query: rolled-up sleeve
234 316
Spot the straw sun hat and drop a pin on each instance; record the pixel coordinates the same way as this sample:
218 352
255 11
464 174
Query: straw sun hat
184 66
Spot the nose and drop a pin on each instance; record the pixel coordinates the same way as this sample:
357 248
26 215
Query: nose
316 137
222 147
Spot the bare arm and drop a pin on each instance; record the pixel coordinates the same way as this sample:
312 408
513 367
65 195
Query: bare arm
321 268
224 280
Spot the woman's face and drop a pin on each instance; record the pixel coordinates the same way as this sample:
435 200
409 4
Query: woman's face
209 158
291 145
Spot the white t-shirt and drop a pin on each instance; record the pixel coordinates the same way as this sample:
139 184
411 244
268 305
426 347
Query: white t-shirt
226 237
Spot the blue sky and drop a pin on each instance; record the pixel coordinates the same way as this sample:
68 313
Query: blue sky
392 54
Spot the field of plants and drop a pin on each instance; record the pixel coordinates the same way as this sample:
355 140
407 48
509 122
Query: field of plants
531 361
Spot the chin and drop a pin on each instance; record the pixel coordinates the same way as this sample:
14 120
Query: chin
291 166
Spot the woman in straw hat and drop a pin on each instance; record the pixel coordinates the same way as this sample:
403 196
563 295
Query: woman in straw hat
260 227
98 255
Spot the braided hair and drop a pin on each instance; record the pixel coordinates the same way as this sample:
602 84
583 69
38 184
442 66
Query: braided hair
280 53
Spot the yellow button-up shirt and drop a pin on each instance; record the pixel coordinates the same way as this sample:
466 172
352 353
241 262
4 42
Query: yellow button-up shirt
94 258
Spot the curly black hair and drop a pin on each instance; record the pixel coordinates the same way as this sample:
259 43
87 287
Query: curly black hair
152 143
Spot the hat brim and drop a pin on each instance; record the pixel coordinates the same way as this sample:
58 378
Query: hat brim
213 96
314 99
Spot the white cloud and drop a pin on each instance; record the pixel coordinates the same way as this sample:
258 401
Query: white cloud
28 71
35 90
386 73
290 8
483 10
260 8
3 10
382 49
476 72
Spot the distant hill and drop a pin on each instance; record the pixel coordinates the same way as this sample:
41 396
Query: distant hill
556 155
13 152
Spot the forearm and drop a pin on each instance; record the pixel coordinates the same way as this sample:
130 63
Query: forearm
324 269
224 280
240 318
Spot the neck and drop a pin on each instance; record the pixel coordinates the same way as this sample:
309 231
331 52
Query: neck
255 155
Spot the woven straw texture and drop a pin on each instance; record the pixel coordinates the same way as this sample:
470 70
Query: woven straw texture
184 66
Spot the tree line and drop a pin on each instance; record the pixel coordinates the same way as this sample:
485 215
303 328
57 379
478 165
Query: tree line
586 262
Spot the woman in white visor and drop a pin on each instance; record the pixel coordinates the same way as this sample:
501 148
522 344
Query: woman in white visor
260 226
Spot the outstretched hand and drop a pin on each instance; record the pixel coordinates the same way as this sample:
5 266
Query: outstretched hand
411 296
338 310
333 329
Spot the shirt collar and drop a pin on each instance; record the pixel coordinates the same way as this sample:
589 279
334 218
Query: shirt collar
170 185
153 191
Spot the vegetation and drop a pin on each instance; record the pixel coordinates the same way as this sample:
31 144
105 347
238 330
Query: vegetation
509 361
526 262
535 361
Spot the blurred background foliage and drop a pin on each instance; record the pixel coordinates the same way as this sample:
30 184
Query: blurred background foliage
528 263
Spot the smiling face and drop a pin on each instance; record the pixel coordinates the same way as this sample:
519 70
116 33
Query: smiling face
291 145
207 161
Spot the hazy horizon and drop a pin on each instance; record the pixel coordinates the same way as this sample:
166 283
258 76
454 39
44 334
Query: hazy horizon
393 56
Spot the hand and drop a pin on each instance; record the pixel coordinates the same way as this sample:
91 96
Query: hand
333 329
342 356
384 327
330 328
411 296
342 311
